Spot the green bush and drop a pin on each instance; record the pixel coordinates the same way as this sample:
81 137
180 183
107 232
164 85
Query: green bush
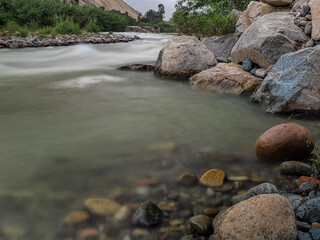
66 26
16 29
92 26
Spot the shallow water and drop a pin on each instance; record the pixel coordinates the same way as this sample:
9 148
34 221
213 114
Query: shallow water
73 126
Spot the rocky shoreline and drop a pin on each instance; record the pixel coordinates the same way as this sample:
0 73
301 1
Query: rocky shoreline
34 40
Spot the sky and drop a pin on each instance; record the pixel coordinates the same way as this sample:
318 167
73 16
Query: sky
144 5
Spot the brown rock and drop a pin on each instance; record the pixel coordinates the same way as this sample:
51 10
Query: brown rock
213 178
182 57
315 12
304 23
188 179
278 3
226 78
267 216
258 9
87 233
200 225
288 141
304 179
243 22
76 217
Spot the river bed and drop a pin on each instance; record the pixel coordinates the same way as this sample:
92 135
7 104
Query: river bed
74 127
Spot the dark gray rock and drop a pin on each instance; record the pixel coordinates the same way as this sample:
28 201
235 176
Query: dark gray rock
253 71
296 168
303 226
295 201
293 84
301 212
264 188
221 46
310 43
313 194
309 211
315 233
138 67
147 215
222 60
303 236
200 225
304 11
308 28
307 187
247 65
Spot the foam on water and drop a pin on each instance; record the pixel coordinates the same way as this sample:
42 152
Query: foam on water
82 82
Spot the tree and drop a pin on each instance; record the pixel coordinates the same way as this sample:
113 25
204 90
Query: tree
161 11
156 16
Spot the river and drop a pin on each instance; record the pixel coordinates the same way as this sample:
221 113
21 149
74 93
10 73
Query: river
72 126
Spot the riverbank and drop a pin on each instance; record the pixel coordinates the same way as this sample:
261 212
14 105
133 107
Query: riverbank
35 40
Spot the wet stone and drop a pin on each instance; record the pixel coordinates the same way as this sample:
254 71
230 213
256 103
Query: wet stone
315 233
238 178
89 234
101 207
147 215
303 226
307 179
201 225
305 10
307 187
76 217
247 65
237 185
315 225
303 236
140 233
295 201
213 178
296 168
211 212
188 179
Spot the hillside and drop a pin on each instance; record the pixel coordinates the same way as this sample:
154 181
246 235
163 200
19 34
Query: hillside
117 5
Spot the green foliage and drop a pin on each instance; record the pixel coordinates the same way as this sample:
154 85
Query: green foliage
153 16
16 29
206 17
314 159
66 26
43 13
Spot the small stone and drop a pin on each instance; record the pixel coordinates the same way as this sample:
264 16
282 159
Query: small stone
139 233
308 28
303 226
76 217
147 182
303 236
247 65
210 212
304 23
309 17
257 179
162 147
237 185
185 213
312 210
310 43
238 178
175 222
226 188
201 225
101 207
305 10
307 187
173 196
210 192
296 168
188 179
295 201
307 179
315 225
89 233
122 214
253 71
147 215
315 233
222 59
264 188
261 72
213 178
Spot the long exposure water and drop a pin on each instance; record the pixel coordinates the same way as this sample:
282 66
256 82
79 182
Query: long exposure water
72 126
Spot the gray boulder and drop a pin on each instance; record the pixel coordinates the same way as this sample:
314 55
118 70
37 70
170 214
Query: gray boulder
293 84
182 57
268 38
221 46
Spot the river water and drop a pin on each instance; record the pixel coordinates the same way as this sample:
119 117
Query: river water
72 126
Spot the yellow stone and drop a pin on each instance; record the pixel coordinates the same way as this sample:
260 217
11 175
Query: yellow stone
257 180
162 147
101 207
76 217
241 192
175 222
213 178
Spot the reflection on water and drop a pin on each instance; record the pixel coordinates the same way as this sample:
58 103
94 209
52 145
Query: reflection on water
73 126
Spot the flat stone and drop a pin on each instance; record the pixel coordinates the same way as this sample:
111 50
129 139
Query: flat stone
238 178
296 168
213 178
221 46
264 188
303 179
188 179
278 3
76 217
201 225
305 10
261 72
122 214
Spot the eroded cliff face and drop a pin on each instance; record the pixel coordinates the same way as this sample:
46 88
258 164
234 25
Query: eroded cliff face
109 5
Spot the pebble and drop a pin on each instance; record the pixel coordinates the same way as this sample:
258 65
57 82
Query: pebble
101 207
88 233
303 226
147 215
238 178
210 212
76 217
305 10
307 187
188 179
315 225
310 43
295 201
296 168
163 147
264 188
140 233
222 59
303 179
261 72
122 214
210 192
304 23
309 211
253 71
309 17
237 185
247 65
213 178
315 233
313 194
308 28
201 225
303 236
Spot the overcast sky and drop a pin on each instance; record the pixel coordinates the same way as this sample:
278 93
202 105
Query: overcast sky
144 5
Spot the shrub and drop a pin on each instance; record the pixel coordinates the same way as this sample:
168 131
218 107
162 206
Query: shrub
66 26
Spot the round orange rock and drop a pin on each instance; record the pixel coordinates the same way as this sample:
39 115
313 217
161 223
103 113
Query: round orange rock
288 141
213 178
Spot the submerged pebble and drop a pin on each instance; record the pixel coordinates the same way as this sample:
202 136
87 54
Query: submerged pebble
147 215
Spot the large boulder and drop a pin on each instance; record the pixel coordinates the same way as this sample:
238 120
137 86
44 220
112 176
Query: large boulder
226 78
243 22
315 12
278 3
293 84
259 9
221 46
267 216
182 57
268 38
287 141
